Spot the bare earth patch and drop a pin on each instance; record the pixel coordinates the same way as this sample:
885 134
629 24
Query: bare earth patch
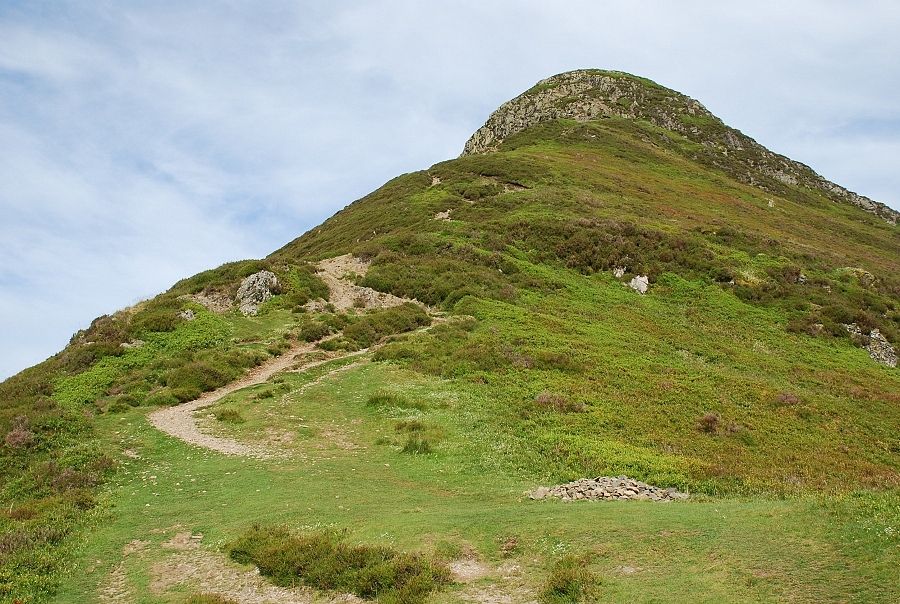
337 274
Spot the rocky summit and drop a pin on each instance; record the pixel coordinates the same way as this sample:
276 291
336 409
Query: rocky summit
589 94
609 283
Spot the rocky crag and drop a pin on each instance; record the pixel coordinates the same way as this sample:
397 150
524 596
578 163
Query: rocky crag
585 95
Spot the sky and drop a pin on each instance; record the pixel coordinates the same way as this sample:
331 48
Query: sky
142 142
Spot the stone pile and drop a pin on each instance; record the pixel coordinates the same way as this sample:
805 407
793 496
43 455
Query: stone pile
607 488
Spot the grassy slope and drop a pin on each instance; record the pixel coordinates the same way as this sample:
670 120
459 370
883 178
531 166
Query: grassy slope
467 495
642 370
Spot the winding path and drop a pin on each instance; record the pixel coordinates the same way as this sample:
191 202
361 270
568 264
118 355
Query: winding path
179 421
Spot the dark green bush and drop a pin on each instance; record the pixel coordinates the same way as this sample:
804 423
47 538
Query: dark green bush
371 328
313 331
324 561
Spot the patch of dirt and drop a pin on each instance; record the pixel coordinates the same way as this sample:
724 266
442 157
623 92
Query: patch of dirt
335 436
466 571
134 547
338 272
116 588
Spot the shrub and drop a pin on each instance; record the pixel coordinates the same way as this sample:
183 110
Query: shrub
371 328
161 398
569 582
19 436
709 423
313 331
324 561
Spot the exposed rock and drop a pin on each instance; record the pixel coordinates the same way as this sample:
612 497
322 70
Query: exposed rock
865 278
187 315
607 488
254 290
443 215
640 284
619 271
217 302
875 344
132 344
591 94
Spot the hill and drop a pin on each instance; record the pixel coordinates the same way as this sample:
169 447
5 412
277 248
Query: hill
608 282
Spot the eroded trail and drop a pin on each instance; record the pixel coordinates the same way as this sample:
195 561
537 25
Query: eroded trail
179 421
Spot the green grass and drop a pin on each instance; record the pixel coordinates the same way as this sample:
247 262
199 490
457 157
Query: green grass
570 582
736 549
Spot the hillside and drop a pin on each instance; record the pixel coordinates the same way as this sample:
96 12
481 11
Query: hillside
381 393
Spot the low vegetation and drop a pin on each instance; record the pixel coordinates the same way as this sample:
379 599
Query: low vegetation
570 582
324 560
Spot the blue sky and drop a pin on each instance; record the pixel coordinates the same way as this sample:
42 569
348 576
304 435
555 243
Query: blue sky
144 142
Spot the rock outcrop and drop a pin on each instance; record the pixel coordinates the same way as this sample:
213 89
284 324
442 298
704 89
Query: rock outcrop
254 290
607 488
591 94
640 284
875 344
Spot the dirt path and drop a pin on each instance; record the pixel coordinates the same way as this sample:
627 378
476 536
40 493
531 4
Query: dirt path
179 421
337 273
344 294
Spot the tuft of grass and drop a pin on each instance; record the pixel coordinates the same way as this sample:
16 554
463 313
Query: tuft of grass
389 399
570 582
410 425
323 560
229 416
417 445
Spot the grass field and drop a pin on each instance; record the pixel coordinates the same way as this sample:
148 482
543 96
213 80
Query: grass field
347 471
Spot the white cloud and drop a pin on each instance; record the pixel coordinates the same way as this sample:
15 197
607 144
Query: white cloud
141 144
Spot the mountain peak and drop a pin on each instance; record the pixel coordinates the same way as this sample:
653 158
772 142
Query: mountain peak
591 94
